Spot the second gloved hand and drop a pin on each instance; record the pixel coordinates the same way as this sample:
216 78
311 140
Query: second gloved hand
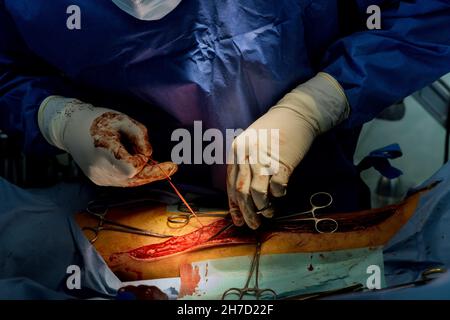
309 110
111 148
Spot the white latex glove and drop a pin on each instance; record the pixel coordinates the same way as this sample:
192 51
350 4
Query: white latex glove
111 148
307 111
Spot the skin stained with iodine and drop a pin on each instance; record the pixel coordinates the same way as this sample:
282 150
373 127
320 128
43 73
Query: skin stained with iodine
201 238
197 239
368 228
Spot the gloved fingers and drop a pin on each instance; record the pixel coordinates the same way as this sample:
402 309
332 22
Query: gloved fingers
127 163
121 135
279 182
151 173
259 189
235 213
136 133
244 198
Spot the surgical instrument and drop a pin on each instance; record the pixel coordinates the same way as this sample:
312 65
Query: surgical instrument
319 200
228 226
180 220
107 224
255 290
426 276
358 287
169 180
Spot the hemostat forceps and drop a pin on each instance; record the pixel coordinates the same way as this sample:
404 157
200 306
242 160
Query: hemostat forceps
106 224
319 200
255 291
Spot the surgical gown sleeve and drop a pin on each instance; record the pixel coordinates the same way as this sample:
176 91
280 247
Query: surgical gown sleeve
25 81
380 67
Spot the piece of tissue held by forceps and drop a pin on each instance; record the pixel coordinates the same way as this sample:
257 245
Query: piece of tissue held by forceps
319 200
106 224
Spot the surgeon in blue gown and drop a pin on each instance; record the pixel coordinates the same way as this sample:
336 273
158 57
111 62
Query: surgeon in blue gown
111 87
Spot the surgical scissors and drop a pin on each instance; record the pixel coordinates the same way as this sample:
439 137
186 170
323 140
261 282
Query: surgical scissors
319 200
255 291
106 224
182 219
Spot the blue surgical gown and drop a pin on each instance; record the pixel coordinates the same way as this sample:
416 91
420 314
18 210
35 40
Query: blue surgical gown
224 63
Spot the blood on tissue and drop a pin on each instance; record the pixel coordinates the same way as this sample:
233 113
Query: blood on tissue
191 279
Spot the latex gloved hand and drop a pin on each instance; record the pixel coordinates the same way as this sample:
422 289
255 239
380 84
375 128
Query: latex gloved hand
309 110
111 148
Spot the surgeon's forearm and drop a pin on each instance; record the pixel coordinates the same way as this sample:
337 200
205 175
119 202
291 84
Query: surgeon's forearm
23 87
363 62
